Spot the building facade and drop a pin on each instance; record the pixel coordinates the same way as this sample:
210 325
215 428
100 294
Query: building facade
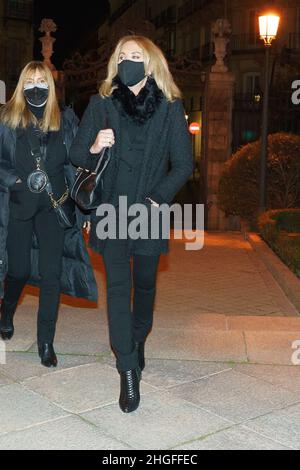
16 39
184 29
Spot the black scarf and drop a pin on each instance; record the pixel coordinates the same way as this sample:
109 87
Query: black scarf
138 108
37 111
42 136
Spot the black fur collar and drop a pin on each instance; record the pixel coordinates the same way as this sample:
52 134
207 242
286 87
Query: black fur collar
139 108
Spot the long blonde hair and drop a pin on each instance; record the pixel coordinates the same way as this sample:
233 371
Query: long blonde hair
155 62
15 112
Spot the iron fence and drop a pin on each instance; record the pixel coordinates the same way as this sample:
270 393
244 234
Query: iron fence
284 116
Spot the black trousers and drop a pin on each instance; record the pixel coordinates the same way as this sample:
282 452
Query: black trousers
50 238
126 325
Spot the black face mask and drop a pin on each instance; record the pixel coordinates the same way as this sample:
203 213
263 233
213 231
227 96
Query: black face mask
131 72
36 96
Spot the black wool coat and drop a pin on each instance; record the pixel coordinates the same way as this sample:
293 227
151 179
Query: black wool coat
168 141
77 276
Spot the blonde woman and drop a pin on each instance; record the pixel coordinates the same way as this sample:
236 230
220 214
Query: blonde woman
34 247
139 114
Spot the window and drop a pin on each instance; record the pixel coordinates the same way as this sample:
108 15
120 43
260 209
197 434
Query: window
253 27
192 103
188 42
14 56
251 83
202 36
172 40
298 28
195 39
201 103
180 44
20 9
149 12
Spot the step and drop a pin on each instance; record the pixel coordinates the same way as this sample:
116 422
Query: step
255 340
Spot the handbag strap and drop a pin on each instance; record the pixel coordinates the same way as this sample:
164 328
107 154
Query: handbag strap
102 153
35 150
101 157
34 144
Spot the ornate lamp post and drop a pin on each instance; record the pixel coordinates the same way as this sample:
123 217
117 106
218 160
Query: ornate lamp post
268 27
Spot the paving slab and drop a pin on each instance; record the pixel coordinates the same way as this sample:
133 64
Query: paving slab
21 366
21 408
169 373
88 346
70 433
281 425
4 380
271 347
287 377
202 344
81 331
161 422
226 280
191 318
269 324
235 396
81 388
236 438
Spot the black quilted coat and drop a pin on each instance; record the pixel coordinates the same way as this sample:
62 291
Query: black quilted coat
77 277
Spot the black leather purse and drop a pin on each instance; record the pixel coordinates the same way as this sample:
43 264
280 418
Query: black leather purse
88 186
38 181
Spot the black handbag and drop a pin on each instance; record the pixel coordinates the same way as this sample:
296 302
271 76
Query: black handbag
38 181
88 186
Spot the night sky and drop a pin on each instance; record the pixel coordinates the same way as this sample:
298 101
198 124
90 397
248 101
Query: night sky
76 22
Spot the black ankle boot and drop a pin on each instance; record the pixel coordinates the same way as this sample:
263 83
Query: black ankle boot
130 390
141 354
47 355
7 311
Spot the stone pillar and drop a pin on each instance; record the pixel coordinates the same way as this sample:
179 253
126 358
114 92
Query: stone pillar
217 123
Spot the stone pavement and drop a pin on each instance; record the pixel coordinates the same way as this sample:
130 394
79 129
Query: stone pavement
218 375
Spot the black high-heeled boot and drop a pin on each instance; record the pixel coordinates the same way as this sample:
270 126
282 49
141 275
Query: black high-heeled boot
141 354
130 390
7 311
47 355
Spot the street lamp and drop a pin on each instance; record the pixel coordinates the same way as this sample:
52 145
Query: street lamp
268 27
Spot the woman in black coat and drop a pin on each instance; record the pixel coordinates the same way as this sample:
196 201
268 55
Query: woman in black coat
139 116
34 247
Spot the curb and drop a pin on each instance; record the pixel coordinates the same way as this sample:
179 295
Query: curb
287 280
